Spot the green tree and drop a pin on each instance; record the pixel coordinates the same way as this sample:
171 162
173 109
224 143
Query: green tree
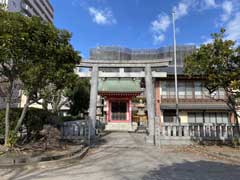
56 93
36 54
62 75
78 97
12 35
219 64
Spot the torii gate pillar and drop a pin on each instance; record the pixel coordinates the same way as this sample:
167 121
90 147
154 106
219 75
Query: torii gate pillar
93 100
150 104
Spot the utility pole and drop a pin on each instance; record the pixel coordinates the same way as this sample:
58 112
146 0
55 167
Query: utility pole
175 67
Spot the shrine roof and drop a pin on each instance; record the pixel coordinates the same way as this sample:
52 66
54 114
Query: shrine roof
119 85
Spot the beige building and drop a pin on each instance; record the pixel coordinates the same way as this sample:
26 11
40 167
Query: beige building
41 8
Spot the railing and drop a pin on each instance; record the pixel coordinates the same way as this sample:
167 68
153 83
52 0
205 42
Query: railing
75 130
202 131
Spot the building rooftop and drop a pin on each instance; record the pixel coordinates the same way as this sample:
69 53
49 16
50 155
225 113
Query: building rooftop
119 85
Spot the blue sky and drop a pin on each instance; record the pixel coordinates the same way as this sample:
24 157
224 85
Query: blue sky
145 23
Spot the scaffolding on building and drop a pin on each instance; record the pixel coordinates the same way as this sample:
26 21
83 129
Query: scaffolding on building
121 53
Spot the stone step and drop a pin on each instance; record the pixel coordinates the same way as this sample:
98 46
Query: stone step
121 126
141 129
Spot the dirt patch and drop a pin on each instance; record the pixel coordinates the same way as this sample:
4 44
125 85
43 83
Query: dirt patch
28 155
214 152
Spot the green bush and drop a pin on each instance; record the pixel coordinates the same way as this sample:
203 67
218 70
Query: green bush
14 114
34 120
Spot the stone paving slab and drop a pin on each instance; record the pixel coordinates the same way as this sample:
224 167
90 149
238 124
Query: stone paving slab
123 156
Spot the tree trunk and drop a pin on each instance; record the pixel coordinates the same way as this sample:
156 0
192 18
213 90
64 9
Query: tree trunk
232 105
7 121
237 122
44 105
7 113
56 104
24 111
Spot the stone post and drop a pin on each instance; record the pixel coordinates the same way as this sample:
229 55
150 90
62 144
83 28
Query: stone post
150 104
157 131
93 100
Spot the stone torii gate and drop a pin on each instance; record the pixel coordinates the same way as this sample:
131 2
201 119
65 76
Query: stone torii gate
148 74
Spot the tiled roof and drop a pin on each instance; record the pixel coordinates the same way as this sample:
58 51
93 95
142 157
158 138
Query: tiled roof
216 106
119 85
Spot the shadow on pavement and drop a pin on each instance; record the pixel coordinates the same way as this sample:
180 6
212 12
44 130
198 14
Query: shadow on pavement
199 170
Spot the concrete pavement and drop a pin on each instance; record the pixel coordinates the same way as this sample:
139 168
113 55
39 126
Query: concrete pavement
124 156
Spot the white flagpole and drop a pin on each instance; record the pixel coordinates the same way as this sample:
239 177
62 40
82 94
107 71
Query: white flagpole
175 67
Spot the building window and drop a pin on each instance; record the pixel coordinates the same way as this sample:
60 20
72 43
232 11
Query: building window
181 90
169 116
199 117
189 90
225 118
222 117
206 94
191 117
171 89
198 89
221 93
208 117
195 117
219 117
164 89
212 117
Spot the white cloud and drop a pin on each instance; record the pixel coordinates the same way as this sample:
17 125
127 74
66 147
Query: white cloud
161 23
157 38
227 7
184 6
233 28
102 17
230 17
159 26
208 41
210 3
181 9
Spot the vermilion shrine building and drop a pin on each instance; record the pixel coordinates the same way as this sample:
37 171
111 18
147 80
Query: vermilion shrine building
118 95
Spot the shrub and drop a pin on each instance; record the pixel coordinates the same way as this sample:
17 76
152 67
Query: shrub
14 114
34 120
70 118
